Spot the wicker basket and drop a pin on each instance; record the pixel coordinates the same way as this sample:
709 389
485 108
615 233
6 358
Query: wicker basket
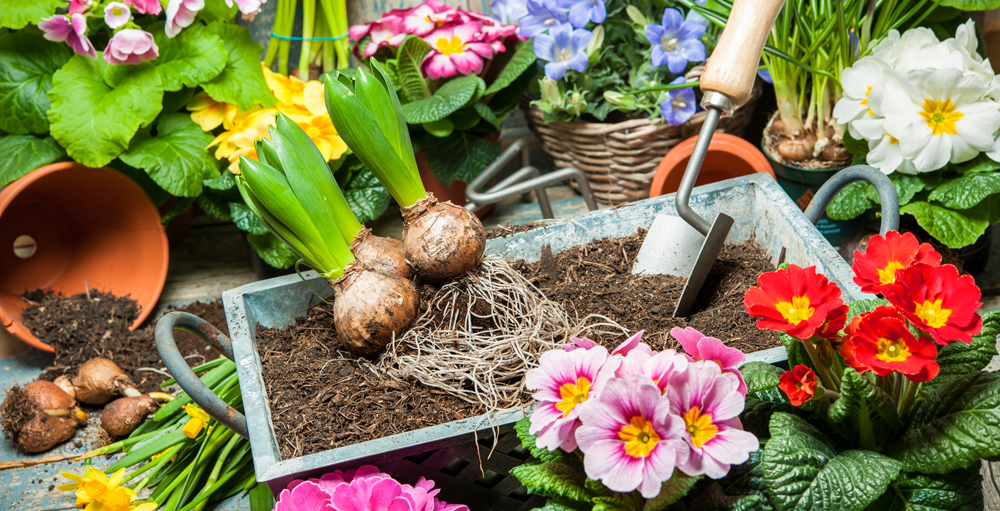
620 159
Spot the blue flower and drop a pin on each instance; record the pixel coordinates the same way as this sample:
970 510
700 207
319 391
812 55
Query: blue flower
564 48
508 11
584 11
542 15
675 42
680 104
765 75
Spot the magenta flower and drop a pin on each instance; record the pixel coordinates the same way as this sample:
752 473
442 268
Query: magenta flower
702 347
116 14
363 489
428 16
145 6
630 438
71 30
249 8
633 343
457 50
709 405
79 6
563 380
383 34
657 367
130 46
180 14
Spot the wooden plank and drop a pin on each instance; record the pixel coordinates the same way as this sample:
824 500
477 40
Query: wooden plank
991 486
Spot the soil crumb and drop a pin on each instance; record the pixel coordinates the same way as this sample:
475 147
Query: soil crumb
320 399
95 324
597 279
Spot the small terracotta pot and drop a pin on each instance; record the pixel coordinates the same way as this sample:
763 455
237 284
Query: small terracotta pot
728 157
65 223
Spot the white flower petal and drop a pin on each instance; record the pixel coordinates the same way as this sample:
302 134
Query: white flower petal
928 152
849 109
870 128
884 154
994 152
978 126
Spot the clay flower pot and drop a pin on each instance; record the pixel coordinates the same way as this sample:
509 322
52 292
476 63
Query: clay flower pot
65 223
728 157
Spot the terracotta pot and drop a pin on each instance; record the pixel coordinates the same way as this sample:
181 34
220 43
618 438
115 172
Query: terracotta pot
65 223
454 192
728 157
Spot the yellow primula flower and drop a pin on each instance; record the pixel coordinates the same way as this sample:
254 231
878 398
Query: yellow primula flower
322 132
314 98
289 90
253 126
197 421
210 114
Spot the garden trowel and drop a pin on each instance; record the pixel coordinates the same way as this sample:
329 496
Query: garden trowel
686 245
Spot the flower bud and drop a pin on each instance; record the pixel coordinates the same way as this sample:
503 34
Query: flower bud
594 46
550 91
636 16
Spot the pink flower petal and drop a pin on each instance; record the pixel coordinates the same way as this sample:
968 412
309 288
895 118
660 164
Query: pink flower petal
630 344
467 31
309 496
688 337
731 446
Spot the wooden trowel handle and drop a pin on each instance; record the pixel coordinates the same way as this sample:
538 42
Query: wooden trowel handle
733 66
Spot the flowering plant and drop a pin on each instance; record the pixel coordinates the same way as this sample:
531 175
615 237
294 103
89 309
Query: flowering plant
886 401
926 112
460 74
363 488
634 429
599 56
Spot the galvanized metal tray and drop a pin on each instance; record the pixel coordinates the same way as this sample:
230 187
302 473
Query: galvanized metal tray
457 455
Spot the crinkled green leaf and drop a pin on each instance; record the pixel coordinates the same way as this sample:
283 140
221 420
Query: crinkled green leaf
671 491
558 504
158 195
528 440
954 228
173 101
958 359
27 63
20 154
907 186
242 80
215 205
176 157
955 426
981 163
760 375
460 156
217 11
850 202
618 502
95 122
464 119
862 403
192 57
748 478
504 101
244 218
411 79
553 480
224 181
524 57
365 195
857 148
487 114
958 490
449 98
967 190
757 412
440 129
16 14
862 306
803 471
795 352
272 250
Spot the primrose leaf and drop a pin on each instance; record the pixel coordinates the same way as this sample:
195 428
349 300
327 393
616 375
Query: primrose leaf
411 79
850 202
95 122
757 412
216 11
244 218
27 63
958 359
225 181
191 58
449 98
524 57
971 5
553 480
528 440
760 376
365 195
180 207
862 306
967 190
671 491
461 156
860 402
954 228
803 471
958 490
273 251
981 163
215 205
795 352
16 14
242 80
487 114
20 154
955 426
504 101
176 157
857 148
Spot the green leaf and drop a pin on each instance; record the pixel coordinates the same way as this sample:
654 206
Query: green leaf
411 79
464 119
757 412
857 148
803 472
260 495
176 157
173 101
953 228
528 440
504 101
158 195
461 156
971 5
487 114
365 195
967 190
27 63
958 359
760 376
864 405
955 426
191 58
617 502
862 306
16 14
671 491
441 128
180 207
553 480
244 218
216 11
449 98
225 181
215 205
20 154
958 490
95 122
795 352
524 57
242 80
851 202
981 163
558 504
908 186
273 251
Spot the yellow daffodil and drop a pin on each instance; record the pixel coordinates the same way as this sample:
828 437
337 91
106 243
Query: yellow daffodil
93 486
322 132
196 422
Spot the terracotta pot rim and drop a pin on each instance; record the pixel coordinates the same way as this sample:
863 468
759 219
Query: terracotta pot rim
723 142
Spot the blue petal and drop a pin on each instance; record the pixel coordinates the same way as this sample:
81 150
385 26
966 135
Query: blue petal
690 30
561 32
765 75
556 70
579 14
676 63
579 61
600 12
679 79
693 51
545 47
659 57
672 18
654 34
536 8
533 25
580 38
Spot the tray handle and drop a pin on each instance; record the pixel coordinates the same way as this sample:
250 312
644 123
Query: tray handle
178 367
886 194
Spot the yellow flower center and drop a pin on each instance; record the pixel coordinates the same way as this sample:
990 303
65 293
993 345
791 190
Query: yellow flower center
892 350
892 139
116 11
699 426
941 116
573 395
887 275
668 44
550 21
447 47
639 436
932 314
864 102
796 311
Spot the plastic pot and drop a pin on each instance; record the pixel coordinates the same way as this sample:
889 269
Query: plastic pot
728 156
65 224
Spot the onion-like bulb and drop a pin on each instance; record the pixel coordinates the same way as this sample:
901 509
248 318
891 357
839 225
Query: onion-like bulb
442 241
371 307
381 254
101 380
40 416
121 416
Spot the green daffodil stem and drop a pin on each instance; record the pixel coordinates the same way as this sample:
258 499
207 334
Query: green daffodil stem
214 476
821 368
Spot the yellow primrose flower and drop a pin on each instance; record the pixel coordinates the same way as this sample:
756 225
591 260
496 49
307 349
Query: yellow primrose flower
196 422
322 132
210 114
288 89
314 98
251 127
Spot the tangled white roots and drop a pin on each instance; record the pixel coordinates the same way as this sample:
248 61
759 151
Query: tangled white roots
447 348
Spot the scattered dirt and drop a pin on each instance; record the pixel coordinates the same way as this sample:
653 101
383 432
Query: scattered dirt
506 230
81 328
597 279
321 400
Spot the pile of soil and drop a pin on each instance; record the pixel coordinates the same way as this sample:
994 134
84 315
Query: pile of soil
597 279
320 399
95 324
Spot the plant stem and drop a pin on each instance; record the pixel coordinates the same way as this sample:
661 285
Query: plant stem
824 372
866 434
286 30
908 395
308 24
214 476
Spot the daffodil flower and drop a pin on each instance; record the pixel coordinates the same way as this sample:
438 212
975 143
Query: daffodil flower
92 486
197 421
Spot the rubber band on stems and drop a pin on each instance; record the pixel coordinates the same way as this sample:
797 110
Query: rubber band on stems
296 38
